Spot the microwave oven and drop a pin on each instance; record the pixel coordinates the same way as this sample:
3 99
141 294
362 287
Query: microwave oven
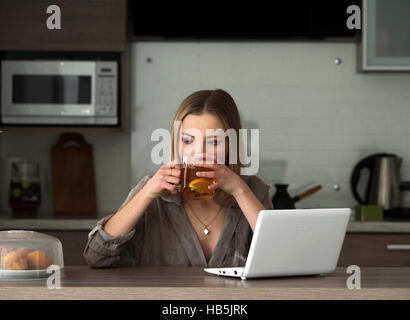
59 92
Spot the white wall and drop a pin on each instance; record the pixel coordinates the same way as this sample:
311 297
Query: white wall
111 165
316 118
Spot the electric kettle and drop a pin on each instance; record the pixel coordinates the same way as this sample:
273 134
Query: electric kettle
383 186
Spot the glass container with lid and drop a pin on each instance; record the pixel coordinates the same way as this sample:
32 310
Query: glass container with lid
29 254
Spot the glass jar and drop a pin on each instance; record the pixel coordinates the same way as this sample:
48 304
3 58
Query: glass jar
24 188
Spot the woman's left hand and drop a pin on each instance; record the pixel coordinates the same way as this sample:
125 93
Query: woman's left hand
226 179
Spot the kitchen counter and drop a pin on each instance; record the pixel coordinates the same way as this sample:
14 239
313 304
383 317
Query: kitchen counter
48 224
379 227
82 282
7 223
47 221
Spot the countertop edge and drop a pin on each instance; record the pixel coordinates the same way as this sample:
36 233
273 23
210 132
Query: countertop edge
188 282
201 293
48 224
88 224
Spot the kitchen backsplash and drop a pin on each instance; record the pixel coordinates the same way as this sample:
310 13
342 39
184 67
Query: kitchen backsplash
111 165
316 118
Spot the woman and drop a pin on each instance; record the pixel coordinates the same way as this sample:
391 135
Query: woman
157 226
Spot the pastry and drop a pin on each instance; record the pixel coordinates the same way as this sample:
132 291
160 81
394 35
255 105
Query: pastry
38 260
13 261
23 259
23 252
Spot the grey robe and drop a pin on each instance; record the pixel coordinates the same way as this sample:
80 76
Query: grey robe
164 235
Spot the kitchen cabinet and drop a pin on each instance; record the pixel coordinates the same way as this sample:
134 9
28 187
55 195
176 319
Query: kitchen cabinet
86 25
90 30
373 250
364 250
385 42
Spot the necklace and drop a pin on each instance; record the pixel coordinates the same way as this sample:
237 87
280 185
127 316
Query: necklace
206 231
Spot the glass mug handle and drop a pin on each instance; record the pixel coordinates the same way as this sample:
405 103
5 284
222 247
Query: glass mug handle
182 180
182 177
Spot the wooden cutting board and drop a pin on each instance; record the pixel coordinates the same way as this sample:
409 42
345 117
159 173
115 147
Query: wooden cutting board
73 177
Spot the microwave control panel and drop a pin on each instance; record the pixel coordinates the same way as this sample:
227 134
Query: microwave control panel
106 84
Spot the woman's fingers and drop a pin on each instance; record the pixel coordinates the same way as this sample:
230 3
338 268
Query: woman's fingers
171 171
206 174
172 179
170 165
176 172
206 165
168 186
214 186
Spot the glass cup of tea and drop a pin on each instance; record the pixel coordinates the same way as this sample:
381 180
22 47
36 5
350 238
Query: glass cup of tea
192 186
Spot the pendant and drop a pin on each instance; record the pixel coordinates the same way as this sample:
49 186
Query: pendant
206 231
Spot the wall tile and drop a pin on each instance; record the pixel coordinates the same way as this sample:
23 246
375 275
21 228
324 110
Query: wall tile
316 118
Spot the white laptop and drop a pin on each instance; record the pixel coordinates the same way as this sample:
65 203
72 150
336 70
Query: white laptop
293 243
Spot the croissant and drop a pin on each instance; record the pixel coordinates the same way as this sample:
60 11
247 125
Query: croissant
23 259
14 261
23 252
38 260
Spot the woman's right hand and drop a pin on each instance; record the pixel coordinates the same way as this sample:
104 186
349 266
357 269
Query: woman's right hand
166 178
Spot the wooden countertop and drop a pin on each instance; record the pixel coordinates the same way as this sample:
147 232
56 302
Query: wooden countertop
195 284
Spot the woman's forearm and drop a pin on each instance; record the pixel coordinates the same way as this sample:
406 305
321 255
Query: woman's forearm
249 204
125 219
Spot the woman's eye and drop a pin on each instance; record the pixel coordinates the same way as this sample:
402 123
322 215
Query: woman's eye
186 140
213 142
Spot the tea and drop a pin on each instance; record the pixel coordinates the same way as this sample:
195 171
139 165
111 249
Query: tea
194 187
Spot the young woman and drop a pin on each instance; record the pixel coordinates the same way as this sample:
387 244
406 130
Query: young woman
157 226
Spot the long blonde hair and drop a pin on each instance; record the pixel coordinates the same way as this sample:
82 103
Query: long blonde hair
220 103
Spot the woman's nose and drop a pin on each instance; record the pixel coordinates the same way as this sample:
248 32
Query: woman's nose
203 157
199 148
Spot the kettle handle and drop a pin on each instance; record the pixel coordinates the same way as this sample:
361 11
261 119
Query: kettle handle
368 163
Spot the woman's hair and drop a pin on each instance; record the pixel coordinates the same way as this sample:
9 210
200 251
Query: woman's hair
219 103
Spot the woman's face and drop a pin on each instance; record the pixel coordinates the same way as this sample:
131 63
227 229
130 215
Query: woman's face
198 144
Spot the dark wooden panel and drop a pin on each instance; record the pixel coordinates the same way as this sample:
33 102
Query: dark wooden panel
370 250
364 250
86 25
73 245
